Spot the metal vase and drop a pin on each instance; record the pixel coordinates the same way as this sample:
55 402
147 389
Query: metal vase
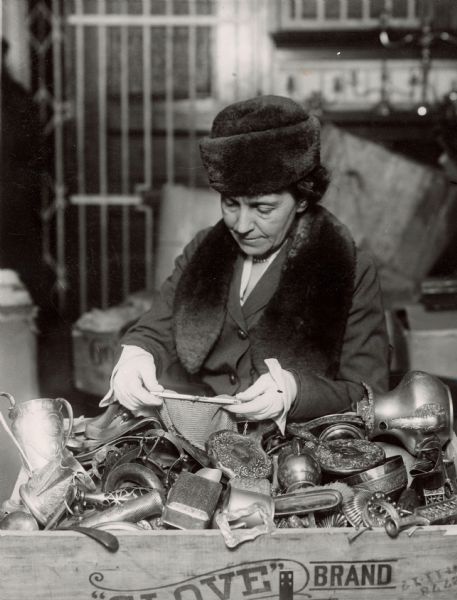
420 405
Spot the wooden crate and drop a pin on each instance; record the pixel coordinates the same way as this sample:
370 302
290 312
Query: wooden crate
95 352
93 359
403 211
184 565
431 340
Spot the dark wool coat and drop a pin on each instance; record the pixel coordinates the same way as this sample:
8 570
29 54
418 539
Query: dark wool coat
317 309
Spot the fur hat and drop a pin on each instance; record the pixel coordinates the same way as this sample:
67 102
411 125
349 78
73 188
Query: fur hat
260 146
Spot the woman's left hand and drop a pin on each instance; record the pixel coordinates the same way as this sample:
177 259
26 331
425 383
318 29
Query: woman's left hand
270 397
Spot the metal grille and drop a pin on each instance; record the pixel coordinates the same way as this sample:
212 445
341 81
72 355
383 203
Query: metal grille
134 84
125 75
45 36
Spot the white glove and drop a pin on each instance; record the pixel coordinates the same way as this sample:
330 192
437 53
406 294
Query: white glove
133 382
270 397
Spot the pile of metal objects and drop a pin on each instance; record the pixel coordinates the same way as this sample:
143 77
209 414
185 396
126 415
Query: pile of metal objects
117 472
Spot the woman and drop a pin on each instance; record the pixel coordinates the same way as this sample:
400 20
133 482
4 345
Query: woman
274 304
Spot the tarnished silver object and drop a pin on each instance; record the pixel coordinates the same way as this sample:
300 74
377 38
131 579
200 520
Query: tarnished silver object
348 456
306 501
252 484
132 473
377 510
390 478
420 405
133 510
297 467
241 507
37 428
114 498
334 519
238 455
331 427
433 514
19 520
52 488
353 507
339 431
245 514
47 493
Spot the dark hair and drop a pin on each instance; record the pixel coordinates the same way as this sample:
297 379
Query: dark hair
447 138
5 47
312 187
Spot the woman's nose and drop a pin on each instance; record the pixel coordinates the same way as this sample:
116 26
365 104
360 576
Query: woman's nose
243 222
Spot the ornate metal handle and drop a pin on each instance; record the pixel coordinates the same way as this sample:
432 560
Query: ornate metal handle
10 433
70 418
10 398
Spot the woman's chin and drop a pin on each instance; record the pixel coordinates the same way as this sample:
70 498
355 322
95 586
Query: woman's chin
253 248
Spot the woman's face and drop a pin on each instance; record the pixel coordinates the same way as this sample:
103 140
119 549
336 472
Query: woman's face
260 224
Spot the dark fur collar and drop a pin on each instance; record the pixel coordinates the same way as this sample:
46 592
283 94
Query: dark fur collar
302 325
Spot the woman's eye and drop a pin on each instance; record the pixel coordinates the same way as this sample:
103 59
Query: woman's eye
228 203
264 210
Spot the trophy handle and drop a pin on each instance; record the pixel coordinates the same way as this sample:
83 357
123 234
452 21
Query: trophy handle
10 398
70 418
10 433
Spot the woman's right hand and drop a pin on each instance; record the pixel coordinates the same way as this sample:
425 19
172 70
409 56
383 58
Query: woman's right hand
134 382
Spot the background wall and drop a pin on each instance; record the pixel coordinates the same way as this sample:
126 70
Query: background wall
126 89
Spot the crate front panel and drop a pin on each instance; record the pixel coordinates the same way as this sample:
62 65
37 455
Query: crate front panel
176 565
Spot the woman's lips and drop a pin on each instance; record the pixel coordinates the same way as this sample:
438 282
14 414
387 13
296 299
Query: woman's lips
248 240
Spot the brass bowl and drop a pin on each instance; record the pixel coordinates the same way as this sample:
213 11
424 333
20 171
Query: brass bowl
391 478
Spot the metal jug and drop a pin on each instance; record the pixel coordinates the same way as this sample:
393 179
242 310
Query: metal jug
37 429
419 406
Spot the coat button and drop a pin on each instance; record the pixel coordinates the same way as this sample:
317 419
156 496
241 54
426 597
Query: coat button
233 378
242 334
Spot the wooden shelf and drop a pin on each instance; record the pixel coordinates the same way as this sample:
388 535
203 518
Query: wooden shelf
364 43
400 131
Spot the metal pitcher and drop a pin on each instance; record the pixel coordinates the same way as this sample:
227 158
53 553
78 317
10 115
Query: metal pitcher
420 405
37 429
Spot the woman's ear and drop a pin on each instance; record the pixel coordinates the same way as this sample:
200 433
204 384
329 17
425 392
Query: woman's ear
302 206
